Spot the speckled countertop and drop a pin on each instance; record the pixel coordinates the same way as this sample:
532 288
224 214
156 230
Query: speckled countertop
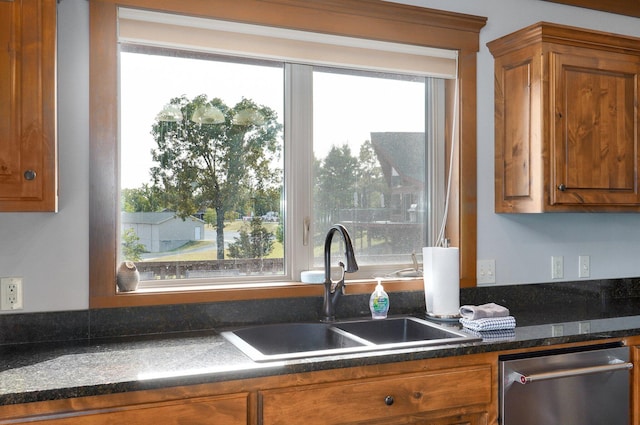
36 372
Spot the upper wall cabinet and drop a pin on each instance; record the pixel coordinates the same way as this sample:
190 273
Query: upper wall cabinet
566 120
28 157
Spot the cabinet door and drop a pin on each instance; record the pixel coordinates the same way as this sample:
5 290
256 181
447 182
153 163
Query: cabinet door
595 129
28 179
232 410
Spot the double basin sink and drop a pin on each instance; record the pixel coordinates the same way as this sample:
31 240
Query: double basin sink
299 340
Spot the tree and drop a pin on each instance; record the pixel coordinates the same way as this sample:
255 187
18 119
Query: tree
209 154
210 216
335 182
372 186
143 199
256 244
131 246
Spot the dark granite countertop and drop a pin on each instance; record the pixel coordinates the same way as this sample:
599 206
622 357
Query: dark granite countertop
55 371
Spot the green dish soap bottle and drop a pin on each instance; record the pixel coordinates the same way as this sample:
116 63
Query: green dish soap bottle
379 302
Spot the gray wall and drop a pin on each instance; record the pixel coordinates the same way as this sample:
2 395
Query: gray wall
522 244
51 250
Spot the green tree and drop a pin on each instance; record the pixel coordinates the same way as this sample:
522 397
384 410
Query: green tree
336 182
143 199
209 154
210 216
132 249
371 184
257 243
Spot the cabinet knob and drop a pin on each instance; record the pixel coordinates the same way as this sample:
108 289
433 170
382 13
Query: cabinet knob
29 175
388 400
562 187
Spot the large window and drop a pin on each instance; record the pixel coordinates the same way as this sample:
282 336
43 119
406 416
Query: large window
232 161
202 175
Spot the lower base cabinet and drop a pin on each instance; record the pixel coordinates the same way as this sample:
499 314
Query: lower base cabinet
422 398
220 410
460 390
480 418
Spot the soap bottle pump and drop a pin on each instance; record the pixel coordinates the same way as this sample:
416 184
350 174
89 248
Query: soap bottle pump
379 302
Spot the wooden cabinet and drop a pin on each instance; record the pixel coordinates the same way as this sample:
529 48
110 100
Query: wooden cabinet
449 396
459 390
218 410
566 120
28 157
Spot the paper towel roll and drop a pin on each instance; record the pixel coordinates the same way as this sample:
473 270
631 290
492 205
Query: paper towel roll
441 272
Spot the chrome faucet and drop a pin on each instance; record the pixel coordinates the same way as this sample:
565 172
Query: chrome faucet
333 290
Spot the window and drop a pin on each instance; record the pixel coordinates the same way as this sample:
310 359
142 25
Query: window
384 186
373 150
201 142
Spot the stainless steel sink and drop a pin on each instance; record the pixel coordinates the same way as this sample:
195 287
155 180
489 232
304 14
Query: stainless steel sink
402 330
298 340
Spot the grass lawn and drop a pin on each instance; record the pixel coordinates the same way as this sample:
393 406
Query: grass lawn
206 250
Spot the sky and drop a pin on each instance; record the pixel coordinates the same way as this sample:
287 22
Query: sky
346 109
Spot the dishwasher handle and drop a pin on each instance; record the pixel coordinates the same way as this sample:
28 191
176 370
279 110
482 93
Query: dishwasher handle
526 379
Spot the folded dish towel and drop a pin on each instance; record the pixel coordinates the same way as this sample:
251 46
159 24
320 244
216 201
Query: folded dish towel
493 336
489 323
473 312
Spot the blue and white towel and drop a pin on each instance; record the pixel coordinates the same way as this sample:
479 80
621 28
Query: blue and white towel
489 323
493 336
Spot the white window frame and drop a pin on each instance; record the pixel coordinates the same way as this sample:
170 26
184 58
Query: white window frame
298 118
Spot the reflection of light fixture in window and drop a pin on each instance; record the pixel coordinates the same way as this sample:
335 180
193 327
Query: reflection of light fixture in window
248 117
170 113
207 114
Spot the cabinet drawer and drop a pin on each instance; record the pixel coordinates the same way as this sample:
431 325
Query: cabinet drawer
377 398
220 410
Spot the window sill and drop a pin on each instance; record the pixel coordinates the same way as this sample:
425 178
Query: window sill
203 294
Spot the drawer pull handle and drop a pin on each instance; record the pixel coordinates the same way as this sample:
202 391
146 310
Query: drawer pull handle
29 175
562 187
388 400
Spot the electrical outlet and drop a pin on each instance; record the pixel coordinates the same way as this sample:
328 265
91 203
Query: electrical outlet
486 271
584 266
584 327
557 267
11 293
557 330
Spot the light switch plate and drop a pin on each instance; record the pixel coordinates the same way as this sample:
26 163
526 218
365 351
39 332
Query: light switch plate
486 271
584 266
557 267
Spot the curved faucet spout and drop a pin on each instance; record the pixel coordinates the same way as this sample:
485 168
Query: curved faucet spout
332 293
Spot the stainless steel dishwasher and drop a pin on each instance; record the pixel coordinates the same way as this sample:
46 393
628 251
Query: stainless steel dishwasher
589 386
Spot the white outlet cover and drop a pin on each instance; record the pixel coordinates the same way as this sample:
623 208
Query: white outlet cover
7 294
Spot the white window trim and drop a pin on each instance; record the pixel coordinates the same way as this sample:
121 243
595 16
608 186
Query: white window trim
298 257
263 42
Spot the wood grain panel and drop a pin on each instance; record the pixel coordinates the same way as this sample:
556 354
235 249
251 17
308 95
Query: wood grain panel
230 410
28 106
379 398
579 114
377 20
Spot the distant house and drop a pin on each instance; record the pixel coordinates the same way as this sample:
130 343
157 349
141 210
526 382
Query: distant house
402 159
163 231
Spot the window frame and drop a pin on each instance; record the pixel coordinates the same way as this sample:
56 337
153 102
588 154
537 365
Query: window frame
376 20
